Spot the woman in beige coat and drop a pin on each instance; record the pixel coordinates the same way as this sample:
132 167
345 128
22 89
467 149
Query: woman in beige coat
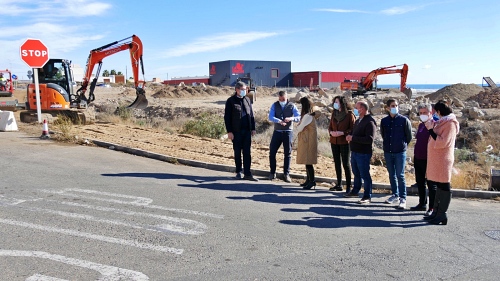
307 147
440 157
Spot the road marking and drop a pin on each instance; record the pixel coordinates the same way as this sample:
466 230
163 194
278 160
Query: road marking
108 239
107 272
136 201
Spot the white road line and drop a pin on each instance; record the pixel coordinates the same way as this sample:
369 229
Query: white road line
107 272
159 228
94 236
196 227
137 201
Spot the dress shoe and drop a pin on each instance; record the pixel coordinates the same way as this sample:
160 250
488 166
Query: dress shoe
239 175
350 194
272 176
304 183
440 219
311 184
336 188
419 207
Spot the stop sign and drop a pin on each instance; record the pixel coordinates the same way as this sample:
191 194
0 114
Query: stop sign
34 53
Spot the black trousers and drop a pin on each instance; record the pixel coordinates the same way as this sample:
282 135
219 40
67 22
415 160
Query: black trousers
242 143
422 183
285 138
342 154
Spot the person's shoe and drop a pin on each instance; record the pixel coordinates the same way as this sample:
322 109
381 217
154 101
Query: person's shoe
440 219
310 185
393 199
365 200
431 216
414 185
250 178
239 175
304 183
402 204
350 194
272 176
428 213
419 207
336 188
287 178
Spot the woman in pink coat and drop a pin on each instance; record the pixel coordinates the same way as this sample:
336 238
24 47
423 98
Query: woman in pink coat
440 157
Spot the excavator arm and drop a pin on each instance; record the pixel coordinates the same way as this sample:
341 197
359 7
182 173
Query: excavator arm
367 82
134 45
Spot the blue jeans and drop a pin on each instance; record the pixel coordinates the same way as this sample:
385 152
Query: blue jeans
360 164
285 138
242 143
396 167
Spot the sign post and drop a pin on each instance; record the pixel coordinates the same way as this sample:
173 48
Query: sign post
35 54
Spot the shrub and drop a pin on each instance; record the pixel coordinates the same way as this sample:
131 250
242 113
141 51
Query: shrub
64 125
206 125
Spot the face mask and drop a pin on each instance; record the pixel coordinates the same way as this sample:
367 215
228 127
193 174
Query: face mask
424 118
435 116
336 106
282 103
394 110
243 93
356 112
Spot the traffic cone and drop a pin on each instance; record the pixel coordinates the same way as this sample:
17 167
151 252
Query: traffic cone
45 131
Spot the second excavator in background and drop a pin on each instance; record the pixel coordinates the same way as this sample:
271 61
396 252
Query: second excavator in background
57 95
369 83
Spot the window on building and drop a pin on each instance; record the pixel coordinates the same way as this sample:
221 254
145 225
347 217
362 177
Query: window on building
274 73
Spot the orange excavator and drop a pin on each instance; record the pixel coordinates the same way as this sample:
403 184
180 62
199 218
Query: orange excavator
369 83
57 95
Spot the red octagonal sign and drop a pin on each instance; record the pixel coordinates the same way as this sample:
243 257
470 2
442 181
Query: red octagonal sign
34 53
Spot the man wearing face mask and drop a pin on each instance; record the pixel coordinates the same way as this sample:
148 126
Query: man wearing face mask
420 161
282 114
361 144
396 134
240 126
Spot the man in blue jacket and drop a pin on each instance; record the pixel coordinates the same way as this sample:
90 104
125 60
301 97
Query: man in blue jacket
396 134
282 114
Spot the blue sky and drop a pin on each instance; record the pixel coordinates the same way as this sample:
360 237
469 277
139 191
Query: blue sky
446 42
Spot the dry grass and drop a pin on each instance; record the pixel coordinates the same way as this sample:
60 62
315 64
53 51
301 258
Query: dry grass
469 175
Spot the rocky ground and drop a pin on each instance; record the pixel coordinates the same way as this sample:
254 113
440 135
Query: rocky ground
170 103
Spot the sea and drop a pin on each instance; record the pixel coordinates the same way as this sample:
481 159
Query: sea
426 88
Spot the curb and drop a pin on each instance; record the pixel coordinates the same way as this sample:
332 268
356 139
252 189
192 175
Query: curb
459 193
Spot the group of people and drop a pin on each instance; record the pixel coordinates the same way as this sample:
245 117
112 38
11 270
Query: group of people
352 134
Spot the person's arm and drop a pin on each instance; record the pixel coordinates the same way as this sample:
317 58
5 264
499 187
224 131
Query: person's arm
382 129
306 120
296 114
444 140
408 131
433 134
228 117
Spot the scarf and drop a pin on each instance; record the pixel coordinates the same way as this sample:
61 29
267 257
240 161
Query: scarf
339 115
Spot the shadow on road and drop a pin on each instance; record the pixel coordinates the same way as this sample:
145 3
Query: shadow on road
332 209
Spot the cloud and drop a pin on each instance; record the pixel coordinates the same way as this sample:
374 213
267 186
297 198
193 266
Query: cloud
217 42
391 11
400 10
53 8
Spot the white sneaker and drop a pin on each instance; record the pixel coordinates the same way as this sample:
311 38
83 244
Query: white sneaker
402 204
393 199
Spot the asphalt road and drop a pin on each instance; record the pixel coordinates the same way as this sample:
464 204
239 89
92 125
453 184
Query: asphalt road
86 213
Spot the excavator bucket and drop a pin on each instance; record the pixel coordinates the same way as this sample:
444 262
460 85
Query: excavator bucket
141 101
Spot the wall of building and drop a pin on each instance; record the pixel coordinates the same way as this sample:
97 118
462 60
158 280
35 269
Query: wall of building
187 81
264 73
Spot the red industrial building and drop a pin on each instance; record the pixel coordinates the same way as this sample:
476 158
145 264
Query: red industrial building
187 81
324 79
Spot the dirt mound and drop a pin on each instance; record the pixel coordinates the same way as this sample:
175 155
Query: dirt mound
459 91
489 98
